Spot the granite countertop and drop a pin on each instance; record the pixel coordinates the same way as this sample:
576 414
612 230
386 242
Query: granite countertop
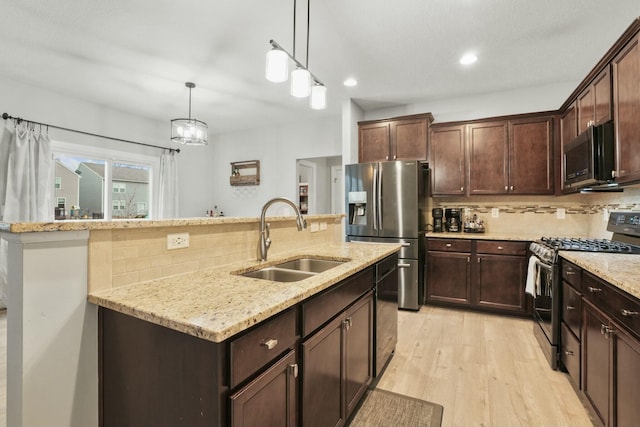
621 270
529 237
216 304
86 224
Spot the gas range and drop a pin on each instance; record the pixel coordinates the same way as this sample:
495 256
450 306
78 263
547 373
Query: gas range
626 239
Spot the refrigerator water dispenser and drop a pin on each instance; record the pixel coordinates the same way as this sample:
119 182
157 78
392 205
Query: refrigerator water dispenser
358 207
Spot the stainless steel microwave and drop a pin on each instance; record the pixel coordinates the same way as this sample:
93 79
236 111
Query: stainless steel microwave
589 158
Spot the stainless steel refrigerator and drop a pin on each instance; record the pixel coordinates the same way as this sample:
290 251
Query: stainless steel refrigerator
386 202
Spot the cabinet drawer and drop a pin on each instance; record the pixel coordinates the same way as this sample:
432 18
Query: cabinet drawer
501 247
261 345
572 274
320 309
571 308
570 354
624 308
449 245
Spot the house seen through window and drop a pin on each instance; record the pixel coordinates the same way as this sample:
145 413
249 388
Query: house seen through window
82 184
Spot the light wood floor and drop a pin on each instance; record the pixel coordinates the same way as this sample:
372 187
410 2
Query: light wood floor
485 370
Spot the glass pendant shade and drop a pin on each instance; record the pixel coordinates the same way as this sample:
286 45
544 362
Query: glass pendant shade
189 131
277 66
300 83
318 97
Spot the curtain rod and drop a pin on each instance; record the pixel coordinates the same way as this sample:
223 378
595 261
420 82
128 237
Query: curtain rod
6 116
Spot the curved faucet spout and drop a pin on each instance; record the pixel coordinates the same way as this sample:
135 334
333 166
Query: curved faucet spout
265 242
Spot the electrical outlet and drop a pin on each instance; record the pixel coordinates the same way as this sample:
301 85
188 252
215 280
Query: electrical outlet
177 240
495 213
314 227
323 226
560 213
605 215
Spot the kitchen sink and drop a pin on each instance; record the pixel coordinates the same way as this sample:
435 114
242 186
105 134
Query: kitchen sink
313 265
294 270
278 274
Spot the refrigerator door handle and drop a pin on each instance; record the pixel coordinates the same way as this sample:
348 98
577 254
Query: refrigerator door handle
375 197
379 197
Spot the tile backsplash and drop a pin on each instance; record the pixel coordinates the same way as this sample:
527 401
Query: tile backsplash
584 214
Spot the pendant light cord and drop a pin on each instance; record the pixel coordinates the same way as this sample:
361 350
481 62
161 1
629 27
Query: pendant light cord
308 20
294 28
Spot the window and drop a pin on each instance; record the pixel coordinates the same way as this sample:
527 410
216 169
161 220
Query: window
97 184
119 187
61 202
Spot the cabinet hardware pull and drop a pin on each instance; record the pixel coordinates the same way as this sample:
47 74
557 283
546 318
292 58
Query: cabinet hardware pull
603 329
570 272
500 248
594 290
570 307
270 343
461 188
614 174
569 353
628 313
348 323
294 370
468 259
478 260
506 188
511 188
448 245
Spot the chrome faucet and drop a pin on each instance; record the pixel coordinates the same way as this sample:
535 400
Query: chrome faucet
265 242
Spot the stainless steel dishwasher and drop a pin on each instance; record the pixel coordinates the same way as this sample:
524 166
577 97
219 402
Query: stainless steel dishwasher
386 312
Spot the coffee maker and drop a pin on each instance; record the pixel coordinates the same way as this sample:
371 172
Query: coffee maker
436 213
453 220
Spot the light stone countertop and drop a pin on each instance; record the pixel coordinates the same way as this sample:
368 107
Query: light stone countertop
87 224
529 237
216 304
621 270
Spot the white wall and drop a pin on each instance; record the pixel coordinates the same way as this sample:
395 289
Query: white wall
277 147
524 100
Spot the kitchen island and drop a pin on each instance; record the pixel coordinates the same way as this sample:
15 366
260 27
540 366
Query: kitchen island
52 268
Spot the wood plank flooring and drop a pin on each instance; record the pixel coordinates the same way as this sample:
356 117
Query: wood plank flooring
486 370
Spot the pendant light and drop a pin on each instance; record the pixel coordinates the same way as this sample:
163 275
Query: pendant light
303 81
189 131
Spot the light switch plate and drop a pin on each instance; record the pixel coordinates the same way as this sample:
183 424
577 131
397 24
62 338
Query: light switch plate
495 213
605 214
323 226
560 213
314 227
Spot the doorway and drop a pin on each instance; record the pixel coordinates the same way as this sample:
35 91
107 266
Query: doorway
324 177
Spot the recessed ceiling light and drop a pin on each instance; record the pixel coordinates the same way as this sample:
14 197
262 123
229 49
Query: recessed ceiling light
468 58
350 82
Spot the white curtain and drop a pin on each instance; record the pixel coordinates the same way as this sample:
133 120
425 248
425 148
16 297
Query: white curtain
168 194
26 186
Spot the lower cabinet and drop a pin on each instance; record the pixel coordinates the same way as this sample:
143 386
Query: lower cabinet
271 399
338 366
487 274
609 349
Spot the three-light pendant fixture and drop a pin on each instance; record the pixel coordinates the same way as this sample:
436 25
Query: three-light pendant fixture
303 82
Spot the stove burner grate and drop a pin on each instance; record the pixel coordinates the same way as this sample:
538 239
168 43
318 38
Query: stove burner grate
590 245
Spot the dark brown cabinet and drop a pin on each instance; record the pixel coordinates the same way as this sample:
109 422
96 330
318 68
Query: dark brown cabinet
626 107
394 139
510 156
447 160
338 366
597 362
594 103
487 275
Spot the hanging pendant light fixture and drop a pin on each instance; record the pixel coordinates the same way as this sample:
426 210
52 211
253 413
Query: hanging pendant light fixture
303 81
189 131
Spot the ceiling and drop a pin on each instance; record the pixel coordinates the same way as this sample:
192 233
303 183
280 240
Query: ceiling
135 55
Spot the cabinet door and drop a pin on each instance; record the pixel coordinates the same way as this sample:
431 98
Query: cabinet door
448 277
373 142
488 149
500 282
597 362
531 156
358 361
602 97
409 139
271 399
585 110
322 391
626 99
446 160
627 362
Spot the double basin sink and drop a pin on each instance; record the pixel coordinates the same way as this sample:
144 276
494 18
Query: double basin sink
294 270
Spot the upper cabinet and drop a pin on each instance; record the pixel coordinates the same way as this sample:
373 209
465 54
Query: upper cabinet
626 107
594 103
509 156
402 138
